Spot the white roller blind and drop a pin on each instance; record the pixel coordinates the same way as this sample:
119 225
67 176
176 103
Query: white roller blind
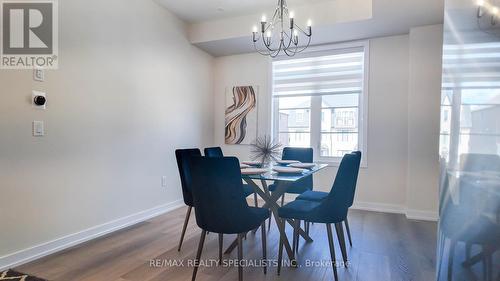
340 72
471 66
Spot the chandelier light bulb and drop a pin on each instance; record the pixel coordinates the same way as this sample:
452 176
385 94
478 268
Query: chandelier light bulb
269 34
494 11
264 19
254 29
292 15
309 23
480 9
295 33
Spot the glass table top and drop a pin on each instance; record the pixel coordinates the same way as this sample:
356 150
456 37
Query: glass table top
275 176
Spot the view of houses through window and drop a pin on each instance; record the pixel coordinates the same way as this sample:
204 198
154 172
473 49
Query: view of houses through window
470 101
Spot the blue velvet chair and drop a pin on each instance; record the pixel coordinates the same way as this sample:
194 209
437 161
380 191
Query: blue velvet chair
183 156
213 152
332 210
304 155
220 205
318 196
217 152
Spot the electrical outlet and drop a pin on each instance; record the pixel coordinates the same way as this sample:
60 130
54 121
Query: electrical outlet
164 181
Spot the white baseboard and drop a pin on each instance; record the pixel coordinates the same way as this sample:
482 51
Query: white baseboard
396 209
379 207
421 215
59 244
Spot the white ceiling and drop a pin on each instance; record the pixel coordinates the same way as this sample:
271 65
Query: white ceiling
194 11
390 17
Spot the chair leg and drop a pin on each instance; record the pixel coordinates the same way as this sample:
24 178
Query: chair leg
186 220
221 243
332 250
255 199
264 246
296 226
282 200
270 217
298 236
340 235
280 251
240 256
441 241
451 255
198 254
488 261
346 222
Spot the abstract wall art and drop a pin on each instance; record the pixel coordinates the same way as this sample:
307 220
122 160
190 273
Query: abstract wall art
241 115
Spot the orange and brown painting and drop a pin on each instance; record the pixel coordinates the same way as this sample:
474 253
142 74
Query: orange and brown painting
241 115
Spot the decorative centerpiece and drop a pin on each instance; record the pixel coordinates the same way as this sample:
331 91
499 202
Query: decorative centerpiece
265 150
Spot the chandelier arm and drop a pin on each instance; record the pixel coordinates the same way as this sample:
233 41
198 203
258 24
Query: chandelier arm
267 28
289 53
292 51
308 34
268 46
289 41
260 51
306 46
271 50
278 50
276 11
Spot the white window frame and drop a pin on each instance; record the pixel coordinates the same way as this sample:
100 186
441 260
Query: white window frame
315 119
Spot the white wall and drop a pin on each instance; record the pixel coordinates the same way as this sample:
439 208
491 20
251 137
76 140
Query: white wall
129 90
249 69
424 119
383 184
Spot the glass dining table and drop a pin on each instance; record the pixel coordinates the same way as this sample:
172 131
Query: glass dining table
282 181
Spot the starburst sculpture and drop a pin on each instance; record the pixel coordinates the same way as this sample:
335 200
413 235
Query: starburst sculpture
265 149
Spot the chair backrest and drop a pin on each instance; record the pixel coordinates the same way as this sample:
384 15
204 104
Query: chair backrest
183 157
304 155
334 207
213 152
219 202
359 155
301 154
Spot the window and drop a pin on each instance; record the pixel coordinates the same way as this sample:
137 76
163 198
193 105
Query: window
319 100
470 101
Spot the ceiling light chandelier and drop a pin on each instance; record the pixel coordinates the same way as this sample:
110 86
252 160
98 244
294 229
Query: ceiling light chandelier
281 34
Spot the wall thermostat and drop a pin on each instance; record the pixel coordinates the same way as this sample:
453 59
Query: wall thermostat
39 99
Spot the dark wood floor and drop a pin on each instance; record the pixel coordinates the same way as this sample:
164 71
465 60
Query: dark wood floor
385 247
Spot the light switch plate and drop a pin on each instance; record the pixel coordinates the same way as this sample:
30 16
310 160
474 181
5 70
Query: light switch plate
39 75
38 129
